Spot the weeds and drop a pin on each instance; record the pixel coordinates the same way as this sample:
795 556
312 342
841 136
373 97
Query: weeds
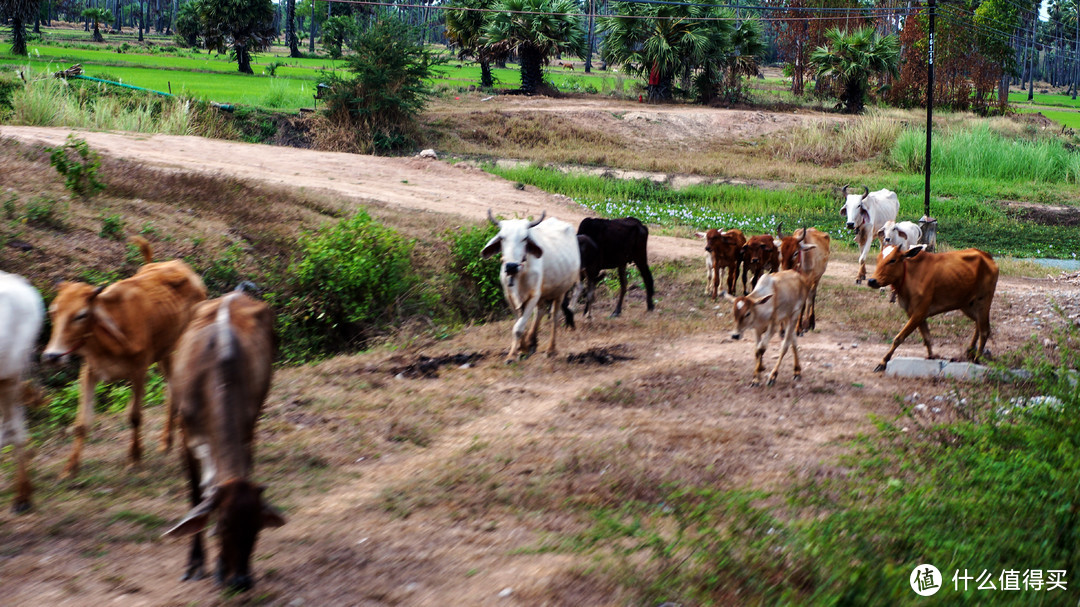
46 212
112 227
79 165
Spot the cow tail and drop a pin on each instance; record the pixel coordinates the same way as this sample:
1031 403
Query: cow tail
226 348
144 248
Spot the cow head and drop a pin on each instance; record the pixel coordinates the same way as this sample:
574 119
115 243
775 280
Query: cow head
241 512
760 250
745 312
515 243
75 313
793 252
855 208
891 266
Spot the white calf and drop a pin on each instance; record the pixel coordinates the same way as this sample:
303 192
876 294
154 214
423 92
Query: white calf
21 314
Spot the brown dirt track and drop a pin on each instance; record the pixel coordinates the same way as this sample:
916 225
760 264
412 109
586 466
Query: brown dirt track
452 513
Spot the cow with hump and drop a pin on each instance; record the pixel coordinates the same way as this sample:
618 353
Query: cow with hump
613 243
222 376
928 284
723 251
119 331
866 214
775 303
541 264
807 251
21 315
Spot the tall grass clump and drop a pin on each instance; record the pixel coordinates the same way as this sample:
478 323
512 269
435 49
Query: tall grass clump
55 102
477 285
277 94
834 143
348 282
979 152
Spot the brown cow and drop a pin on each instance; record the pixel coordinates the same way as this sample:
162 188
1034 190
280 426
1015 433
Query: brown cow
928 284
760 254
569 66
806 250
121 330
774 304
724 252
223 368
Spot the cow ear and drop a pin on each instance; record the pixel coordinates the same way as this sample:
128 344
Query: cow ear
194 521
532 248
729 297
492 247
102 317
843 211
762 300
901 234
270 517
807 247
699 234
913 251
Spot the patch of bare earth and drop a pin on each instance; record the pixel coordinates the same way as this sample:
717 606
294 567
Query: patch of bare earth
407 489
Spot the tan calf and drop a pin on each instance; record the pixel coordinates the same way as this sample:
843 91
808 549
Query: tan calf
774 304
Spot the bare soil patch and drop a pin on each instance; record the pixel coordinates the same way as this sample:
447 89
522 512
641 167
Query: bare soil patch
452 490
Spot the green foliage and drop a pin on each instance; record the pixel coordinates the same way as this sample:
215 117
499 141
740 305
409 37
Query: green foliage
46 212
186 25
9 206
349 280
378 106
78 164
223 273
338 31
239 26
109 398
982 153
112 227
537 30
478 277
852 57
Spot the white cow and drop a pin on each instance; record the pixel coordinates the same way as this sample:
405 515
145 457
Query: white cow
905 235
541 263
21 314
866 213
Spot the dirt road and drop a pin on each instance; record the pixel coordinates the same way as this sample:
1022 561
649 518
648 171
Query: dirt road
505 438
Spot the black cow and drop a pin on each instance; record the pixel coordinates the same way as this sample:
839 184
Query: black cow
613 243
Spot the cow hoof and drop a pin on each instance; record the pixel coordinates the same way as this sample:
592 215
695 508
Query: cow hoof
511 360
615 314
21 507
755 383
771 382
880 368
797 377
194 573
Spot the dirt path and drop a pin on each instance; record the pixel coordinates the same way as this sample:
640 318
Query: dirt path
341 547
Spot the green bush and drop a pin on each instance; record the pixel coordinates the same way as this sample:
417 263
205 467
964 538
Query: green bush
79 166
46 212
350 281
477 278
109 398
112 227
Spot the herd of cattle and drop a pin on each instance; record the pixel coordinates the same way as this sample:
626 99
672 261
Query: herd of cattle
216 356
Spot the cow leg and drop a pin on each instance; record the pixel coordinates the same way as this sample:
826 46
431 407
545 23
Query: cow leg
165 365
744 272
532 336
13 427
554 323
759 355
622 291
83 421
789 341
982 330
712 277
924 330
913 322
196 556
864 250
519 329
138 391
646 277
567 312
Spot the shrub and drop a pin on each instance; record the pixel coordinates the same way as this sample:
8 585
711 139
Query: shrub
79 166
480 293
45 211
348 282
112 227
375 111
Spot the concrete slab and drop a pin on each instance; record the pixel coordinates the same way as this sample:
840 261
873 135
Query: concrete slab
914 367
964 371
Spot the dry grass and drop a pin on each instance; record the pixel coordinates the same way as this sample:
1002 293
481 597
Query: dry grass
835 143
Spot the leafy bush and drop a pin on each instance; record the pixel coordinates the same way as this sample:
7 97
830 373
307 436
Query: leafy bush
46 212
112 227
109 398
79 166
478 279
375 111
349 281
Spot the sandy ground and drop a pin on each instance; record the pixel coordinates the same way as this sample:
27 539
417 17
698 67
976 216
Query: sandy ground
341 548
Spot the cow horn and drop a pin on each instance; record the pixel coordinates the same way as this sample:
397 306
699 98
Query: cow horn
846 186
803 239
779 230
866 191
491 218
533 224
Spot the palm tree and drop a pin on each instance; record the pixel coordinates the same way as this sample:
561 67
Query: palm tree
97 15
852 58
19 11
537 30
465 28
290 28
